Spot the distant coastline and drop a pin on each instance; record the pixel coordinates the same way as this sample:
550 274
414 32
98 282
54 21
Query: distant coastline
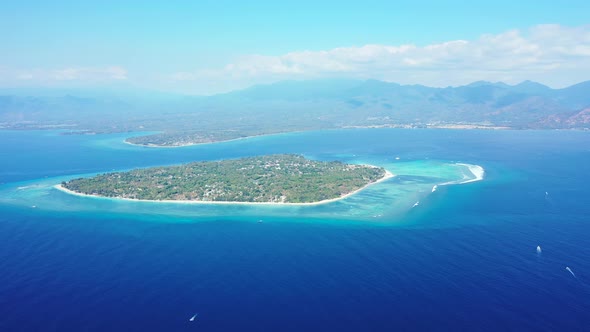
457 126
461 126
150 145
388 175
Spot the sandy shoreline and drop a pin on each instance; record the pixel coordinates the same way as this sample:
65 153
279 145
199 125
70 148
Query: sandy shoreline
388 175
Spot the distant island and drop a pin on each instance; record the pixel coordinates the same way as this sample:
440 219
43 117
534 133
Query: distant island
181 139
263 179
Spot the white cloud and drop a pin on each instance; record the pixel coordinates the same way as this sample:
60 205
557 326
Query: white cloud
78 74
552 54
24 76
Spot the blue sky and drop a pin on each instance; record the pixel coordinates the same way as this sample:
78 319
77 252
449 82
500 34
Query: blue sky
203 47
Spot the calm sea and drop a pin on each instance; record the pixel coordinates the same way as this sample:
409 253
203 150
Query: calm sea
464 260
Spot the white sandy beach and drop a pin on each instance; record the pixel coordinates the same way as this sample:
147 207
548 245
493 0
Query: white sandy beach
388 175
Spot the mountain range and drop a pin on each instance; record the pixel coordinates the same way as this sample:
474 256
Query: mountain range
525 105
304 105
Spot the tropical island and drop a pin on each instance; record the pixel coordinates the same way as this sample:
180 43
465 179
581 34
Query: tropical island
274 179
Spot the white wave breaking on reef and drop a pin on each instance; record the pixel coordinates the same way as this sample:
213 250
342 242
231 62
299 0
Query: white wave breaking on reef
476 171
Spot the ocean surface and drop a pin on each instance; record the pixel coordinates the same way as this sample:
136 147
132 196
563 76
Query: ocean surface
464 259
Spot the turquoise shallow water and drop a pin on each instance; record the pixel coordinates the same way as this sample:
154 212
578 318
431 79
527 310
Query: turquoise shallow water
464 259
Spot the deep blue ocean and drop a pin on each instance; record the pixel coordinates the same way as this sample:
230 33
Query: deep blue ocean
465 259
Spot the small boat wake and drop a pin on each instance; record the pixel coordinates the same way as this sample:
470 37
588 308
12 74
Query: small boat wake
570 271
28 187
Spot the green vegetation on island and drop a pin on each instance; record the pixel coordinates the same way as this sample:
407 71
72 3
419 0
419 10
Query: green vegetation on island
262 179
